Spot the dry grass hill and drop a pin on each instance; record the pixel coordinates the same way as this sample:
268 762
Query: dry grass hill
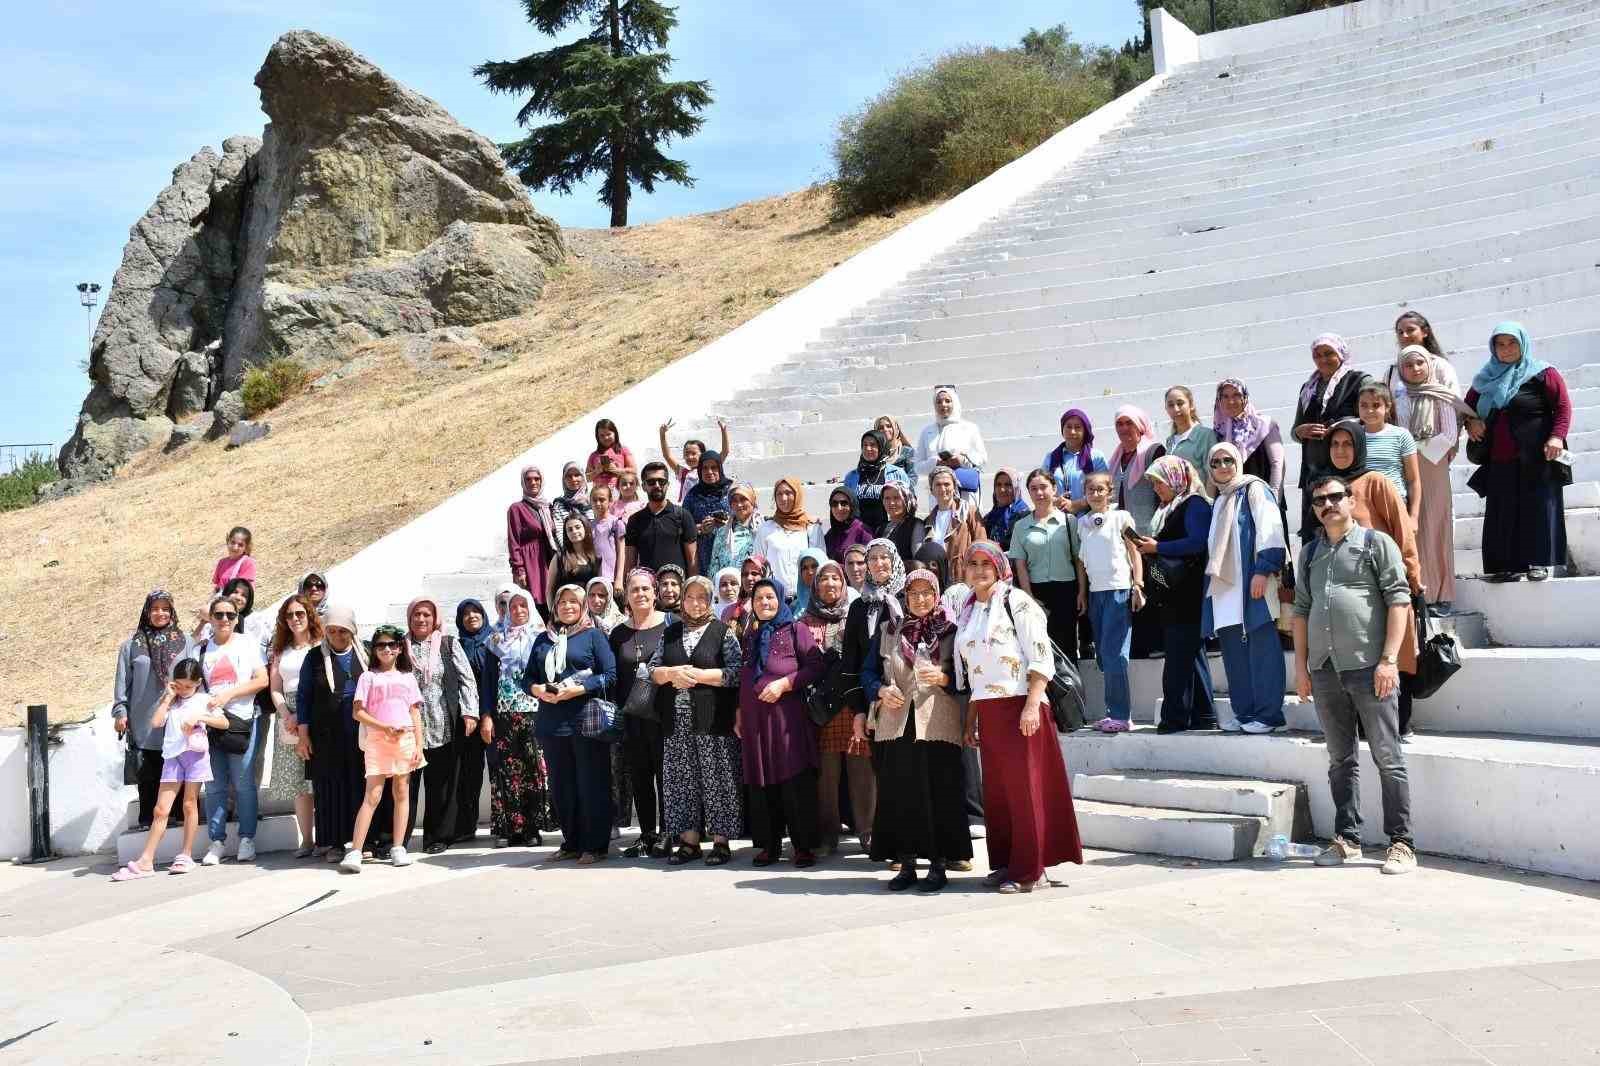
357 457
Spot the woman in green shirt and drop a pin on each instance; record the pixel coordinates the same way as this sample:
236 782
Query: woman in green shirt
1189 439
1044 555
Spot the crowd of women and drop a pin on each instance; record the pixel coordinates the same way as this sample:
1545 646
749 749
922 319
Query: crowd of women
710 674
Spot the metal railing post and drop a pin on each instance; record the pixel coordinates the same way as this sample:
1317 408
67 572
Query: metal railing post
39 782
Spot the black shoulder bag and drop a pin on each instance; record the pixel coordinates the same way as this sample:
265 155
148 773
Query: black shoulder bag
1065 689
234 740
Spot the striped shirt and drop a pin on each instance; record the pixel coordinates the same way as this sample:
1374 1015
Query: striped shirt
1386 453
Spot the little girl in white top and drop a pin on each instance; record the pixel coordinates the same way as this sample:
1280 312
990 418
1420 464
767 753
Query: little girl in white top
1111 588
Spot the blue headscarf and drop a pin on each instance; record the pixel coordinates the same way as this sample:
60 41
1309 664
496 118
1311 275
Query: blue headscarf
802 599
1498 382
765 631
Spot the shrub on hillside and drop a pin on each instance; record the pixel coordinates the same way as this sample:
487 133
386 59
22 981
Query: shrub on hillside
942 127
265 387
20 488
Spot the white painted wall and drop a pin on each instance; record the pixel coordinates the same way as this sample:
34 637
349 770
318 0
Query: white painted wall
1313 26
1174 43
88 801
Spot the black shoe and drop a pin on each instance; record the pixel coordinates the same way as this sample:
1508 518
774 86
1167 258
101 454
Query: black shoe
1171 727
905 878
935 880
436 848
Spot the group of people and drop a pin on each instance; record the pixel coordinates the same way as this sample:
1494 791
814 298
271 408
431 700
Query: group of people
677 660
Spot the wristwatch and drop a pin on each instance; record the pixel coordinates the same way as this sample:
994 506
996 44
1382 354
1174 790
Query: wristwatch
1391 660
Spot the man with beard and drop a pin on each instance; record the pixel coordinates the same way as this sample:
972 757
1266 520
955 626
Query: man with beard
659 533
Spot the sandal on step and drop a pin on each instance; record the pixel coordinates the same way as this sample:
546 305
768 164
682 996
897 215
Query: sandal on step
132 872
720 854
685 852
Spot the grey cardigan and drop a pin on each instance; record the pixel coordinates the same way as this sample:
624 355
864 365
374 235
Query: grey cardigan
136 691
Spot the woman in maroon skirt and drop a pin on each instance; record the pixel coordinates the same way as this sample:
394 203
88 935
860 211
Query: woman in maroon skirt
1003 655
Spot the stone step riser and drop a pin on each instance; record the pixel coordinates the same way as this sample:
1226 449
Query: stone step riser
1216 838
1205 795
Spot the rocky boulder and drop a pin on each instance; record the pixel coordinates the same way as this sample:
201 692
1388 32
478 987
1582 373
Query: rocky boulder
364 210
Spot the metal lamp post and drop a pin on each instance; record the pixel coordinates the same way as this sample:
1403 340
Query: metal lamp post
89 296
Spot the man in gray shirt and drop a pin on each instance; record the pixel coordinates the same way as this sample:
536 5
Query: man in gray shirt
1351 610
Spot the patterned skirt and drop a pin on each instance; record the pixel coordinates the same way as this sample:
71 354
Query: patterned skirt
519 790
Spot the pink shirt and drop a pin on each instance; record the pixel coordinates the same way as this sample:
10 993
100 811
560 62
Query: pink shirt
227 569
389 695
624 460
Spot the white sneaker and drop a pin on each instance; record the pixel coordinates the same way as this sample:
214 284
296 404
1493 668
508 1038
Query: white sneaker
247 850
351 863
1401 859
398 856
1257 727
1337 851
213 854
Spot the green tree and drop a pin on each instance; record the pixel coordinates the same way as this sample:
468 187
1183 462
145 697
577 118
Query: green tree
614 108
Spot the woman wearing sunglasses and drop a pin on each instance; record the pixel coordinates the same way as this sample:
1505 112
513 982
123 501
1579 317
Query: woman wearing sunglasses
234 673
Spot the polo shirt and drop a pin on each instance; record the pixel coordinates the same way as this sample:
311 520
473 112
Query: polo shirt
658 539
1050 548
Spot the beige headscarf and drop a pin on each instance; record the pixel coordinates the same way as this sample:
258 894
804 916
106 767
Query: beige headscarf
1224 565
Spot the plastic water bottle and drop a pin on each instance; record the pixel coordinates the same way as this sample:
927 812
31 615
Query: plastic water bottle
1280 848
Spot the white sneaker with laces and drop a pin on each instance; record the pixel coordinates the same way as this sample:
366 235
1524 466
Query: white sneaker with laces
398 856
1257 727
1337 852
213 854
247 850
351 863
1401 859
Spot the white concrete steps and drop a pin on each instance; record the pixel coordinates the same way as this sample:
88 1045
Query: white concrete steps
277 832
1200 816
1164 831
1558 613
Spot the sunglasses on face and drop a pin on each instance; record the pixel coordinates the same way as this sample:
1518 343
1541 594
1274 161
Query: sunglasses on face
1222 461
315 586
296 614
840 503
655 481
385 645
1327 499
224 616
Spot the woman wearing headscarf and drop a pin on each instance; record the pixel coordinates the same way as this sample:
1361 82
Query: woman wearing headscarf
901 452
601 605
669 588
1009 504
695 669
1427 402
144 666
1189 439
879 601
449 717
473 632
1525 414
842 754
900 522
916 726
736 539
1003 658
953 522
572 663
789 531
726 590
1073 459
1182 525
778 741
519 796
634 642
950 441
1255 435
1331 393
810 561
284 782
845 525
707 503
865 482
855 566
324 707
1137 447
531 531
1245 549
753 569
314 589
1376 504
574 499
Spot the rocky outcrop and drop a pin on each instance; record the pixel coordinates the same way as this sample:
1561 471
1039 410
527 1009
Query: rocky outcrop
363 211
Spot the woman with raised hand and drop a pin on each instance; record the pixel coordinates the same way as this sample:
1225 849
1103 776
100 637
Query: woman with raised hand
1137 447
531 537
1189 438
779 743
1245 549
1524 413
634 642
902 453
144 666
1009 504
1178 551
574 500
865 482
788 533
696 673
953 523
845 526
900 522
284 780
1003 658
842 754
519 792
473 631
1045 555
1427 402
324 706
950 441
1074 459
1328 395
915 722
572 663
735 541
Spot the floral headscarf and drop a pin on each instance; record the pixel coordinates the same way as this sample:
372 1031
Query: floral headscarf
1245 432
1179 475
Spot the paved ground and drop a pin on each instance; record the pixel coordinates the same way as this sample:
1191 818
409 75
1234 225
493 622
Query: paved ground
487 956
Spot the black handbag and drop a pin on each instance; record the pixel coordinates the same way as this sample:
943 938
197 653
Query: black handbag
1438 657
1065 690
1166 575
234 740
130 762
820 704
641 701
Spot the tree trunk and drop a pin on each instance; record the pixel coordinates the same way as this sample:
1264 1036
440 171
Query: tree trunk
619 152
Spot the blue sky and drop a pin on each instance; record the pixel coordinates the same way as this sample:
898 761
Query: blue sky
99 101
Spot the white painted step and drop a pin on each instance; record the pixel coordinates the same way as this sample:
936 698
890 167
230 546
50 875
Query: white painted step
277 832
1159 831
1561 612
1206 793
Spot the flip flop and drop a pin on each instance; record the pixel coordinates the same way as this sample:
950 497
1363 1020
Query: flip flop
131 872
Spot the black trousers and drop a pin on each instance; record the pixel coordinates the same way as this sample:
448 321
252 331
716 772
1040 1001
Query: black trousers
788 808
149 782
645 751
1060 602
379 836
580 790
469 786
441 783
972 782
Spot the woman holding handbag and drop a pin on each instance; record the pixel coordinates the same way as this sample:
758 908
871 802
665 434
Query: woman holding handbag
634 642
1175 566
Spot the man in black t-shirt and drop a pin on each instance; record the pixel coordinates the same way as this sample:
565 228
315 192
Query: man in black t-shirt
659 533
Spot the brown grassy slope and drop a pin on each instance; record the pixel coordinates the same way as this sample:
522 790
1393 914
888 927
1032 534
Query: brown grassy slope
359 457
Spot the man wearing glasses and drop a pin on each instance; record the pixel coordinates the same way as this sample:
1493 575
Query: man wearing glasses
1351 607
660 533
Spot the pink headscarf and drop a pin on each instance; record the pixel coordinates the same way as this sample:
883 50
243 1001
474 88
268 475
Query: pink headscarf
1147 440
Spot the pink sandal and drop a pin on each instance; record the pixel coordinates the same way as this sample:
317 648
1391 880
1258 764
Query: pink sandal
132 872
182 863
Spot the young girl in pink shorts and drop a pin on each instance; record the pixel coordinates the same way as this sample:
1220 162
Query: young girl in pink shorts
388 704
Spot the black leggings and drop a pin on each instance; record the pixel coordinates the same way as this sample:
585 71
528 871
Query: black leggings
1060 602
645 752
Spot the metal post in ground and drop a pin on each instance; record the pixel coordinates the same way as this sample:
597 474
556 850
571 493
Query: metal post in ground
39 782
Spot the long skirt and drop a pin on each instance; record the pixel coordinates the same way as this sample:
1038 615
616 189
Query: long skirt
786 808
338 784
519 793
283 774
1524 521
1027 801
701 777
921 809
1436 531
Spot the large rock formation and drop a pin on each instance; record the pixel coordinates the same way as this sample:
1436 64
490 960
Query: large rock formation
363 211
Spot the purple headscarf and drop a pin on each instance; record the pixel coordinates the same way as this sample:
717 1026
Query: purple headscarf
1245 432
1086 451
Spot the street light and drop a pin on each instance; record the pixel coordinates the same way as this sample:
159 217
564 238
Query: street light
88 296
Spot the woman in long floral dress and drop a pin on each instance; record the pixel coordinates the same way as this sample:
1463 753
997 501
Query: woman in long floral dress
519 795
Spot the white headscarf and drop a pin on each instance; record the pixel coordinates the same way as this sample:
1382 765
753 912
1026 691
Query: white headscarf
514 644
955 406
1224 564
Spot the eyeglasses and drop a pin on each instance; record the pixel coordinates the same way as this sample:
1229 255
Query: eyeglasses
296 614
1224 460
385 645
655 481
224 616
1327 499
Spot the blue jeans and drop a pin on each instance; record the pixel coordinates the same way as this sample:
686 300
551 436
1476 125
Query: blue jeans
1111 617
1253 661
241 770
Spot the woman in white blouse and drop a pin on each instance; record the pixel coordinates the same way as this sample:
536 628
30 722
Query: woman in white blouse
951 441
1004 658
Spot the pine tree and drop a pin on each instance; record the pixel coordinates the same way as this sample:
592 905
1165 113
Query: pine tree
614 110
